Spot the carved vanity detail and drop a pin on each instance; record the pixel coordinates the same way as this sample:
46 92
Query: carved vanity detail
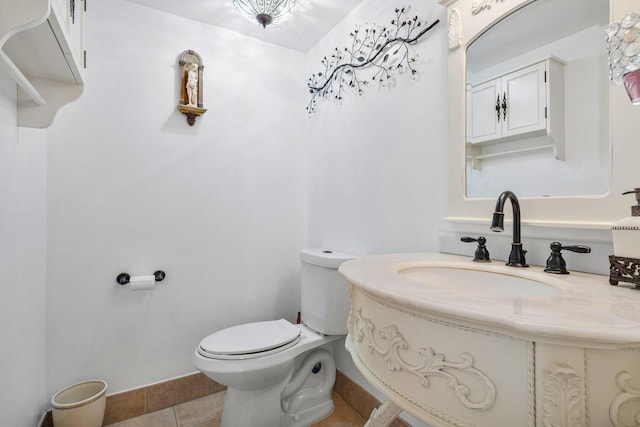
551 351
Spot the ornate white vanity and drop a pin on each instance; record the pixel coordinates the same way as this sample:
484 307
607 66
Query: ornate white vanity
458 343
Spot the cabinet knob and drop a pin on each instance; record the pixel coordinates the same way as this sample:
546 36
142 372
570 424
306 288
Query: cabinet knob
504 105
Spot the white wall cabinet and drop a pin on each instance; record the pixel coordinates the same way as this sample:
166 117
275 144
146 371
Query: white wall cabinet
41 46
511 105
520 104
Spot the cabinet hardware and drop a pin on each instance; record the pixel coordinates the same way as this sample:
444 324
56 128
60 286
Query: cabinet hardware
504 106
498 107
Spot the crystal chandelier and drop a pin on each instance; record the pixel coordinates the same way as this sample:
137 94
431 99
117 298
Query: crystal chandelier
266 12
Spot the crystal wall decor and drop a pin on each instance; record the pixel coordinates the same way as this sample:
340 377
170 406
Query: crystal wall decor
623 44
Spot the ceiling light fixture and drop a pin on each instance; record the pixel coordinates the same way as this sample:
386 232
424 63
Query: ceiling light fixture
266 12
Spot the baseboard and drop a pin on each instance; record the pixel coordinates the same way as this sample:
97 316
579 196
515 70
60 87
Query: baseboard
46 420
140 401
151 398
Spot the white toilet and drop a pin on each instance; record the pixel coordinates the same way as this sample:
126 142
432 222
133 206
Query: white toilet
279 374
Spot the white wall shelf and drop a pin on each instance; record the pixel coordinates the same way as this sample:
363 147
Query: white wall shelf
41 49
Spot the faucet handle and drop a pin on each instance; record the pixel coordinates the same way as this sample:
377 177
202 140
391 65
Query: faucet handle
556 263
482 253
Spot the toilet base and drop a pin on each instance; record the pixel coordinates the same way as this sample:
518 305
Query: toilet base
311 415
252 408
299 400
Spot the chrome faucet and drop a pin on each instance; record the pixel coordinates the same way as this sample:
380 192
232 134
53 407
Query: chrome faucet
516 257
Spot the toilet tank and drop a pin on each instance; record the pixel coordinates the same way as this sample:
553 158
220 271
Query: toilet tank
324 292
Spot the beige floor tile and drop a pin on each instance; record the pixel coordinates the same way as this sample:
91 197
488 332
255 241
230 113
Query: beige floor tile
123 406
203 412
342 416
207 412
164 418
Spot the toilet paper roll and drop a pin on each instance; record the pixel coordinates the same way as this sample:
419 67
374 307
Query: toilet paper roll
142 283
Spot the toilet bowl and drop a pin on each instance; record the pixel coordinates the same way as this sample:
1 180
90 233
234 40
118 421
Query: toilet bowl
279 374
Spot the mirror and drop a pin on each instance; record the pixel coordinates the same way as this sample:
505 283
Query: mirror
468 20
537 103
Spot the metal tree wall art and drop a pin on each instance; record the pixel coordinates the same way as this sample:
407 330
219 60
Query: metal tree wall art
383 51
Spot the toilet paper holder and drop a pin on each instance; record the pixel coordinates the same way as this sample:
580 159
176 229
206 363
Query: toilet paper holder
124 278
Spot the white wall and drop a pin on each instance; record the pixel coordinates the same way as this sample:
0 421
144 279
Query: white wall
23 204
377 166
220 206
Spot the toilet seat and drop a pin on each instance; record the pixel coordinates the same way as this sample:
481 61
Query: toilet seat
250 340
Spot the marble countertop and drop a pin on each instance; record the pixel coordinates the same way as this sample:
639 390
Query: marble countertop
579 307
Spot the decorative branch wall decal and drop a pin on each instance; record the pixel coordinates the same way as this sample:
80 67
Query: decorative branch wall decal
385 49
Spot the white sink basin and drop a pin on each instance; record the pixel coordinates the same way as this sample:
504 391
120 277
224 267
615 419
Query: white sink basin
476 280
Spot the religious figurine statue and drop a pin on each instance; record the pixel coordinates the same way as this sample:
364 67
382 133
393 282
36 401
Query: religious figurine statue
191 83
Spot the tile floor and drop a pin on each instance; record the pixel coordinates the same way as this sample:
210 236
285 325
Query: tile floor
206 412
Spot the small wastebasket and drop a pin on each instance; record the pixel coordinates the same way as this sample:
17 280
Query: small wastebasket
80 405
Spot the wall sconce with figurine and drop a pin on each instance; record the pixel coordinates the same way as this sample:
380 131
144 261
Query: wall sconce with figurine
191 70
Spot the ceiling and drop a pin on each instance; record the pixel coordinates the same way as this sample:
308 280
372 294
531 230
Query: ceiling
312 20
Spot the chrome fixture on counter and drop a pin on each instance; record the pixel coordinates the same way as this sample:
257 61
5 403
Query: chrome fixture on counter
516 257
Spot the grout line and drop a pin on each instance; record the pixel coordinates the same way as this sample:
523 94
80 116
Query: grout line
175 416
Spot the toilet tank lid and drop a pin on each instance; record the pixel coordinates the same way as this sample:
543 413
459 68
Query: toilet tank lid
325 257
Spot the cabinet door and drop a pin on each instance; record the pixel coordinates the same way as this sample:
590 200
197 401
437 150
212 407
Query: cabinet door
485 125
525 100
71 21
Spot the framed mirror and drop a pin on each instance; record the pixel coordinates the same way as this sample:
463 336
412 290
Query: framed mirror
538 102
569 168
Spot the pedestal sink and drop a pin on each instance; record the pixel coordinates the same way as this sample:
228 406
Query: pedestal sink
458 343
